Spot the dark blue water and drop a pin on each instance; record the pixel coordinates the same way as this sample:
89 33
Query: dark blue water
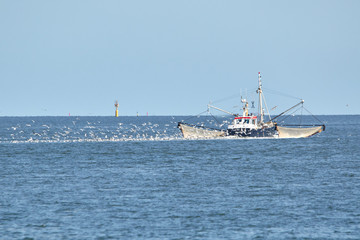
136 178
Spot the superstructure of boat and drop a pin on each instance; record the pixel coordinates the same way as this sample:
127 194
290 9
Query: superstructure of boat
250 125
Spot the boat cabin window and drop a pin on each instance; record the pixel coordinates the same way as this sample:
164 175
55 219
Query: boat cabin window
237 121
244 121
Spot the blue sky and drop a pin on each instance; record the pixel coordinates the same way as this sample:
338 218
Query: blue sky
173 57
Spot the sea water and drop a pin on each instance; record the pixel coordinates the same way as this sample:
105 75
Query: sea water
136 178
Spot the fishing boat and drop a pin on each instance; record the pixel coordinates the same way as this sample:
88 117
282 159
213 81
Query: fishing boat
249 125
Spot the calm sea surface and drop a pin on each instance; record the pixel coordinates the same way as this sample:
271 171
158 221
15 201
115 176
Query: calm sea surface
136 178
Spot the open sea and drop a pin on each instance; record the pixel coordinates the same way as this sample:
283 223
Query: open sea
136 178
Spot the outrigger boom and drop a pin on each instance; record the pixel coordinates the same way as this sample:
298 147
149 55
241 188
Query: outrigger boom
302 102
222 110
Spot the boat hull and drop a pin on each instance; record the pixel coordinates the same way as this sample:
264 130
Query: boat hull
197 132
190 131
261 133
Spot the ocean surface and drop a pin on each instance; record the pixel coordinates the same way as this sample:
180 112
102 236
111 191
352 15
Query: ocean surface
136 178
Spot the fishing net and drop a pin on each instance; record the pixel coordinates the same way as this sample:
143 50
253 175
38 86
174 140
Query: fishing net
293 132
191 131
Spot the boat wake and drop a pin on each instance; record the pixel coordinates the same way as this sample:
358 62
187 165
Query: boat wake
96 131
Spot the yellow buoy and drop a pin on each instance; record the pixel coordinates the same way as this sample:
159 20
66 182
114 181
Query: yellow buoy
116 106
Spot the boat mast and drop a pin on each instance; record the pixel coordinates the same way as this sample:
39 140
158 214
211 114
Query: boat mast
259 91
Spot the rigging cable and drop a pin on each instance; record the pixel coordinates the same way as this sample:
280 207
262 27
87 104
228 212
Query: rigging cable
314 116
215 118
266 106
195 115
283 119
280 93
226 98
231 97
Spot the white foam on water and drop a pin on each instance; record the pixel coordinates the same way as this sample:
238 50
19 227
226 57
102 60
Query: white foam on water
96 132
